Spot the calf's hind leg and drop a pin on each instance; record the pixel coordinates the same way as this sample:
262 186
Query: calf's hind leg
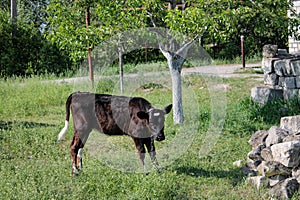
76 150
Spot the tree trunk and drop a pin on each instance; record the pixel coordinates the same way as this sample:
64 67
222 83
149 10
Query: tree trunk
176 59
175 66
178 116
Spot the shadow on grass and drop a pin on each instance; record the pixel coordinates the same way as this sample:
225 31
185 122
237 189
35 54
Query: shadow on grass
235 175
8 125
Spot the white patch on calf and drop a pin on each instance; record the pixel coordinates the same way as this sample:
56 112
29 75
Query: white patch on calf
79 160
156 114
75 170
63 131
80 152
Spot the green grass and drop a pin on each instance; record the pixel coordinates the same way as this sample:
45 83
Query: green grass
238 60
34 165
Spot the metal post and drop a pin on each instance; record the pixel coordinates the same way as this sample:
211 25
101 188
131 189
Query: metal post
121 69
243 51
146 52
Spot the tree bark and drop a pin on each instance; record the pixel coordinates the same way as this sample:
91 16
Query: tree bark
178 116
176 59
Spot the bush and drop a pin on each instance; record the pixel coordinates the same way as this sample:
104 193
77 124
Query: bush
24 51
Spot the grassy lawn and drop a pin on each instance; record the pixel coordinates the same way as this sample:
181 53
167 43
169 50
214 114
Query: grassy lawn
34 165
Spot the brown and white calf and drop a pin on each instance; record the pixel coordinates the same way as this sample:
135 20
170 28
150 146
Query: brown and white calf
114 115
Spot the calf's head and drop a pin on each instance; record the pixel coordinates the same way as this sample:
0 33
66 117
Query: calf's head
156 121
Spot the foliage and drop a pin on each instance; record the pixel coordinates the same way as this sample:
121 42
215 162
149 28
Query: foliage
59 28
218 22
24 50
261 22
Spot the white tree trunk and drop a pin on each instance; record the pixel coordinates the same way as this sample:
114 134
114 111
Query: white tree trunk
178 116
176 59
175 66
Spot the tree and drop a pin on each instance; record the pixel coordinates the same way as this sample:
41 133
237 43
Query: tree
190 21
261 22
120 16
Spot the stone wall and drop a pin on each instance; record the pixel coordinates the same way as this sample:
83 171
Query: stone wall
274 161
281 75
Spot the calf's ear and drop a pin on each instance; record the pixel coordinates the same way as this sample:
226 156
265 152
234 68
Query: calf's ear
143 115
168 108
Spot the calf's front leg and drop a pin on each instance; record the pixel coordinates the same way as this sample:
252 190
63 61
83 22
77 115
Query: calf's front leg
151 150
141 151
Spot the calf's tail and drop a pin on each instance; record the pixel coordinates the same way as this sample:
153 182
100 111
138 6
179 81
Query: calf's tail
64 130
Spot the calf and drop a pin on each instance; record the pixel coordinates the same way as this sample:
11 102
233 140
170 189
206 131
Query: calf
114 115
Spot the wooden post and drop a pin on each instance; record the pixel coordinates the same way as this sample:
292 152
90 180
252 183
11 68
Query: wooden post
243 51
13 11
87 23
13 16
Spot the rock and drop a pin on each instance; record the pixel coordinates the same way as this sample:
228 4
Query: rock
289 83
237 163
296 173
267 64
258 181
295 67
255 153
271 79
292 137
283 53
274 180
288 70
280 68
290 93
297 81
287 153
281 81
276 135
260 168
285 189
273 168
266 154
258 138
248 172
266 94
291 123
253 164
270 51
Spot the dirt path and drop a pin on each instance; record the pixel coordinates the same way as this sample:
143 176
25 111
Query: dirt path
224 71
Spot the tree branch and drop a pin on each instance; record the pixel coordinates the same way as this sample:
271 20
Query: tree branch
184 49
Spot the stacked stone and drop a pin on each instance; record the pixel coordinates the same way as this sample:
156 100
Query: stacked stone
274 161
281 75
